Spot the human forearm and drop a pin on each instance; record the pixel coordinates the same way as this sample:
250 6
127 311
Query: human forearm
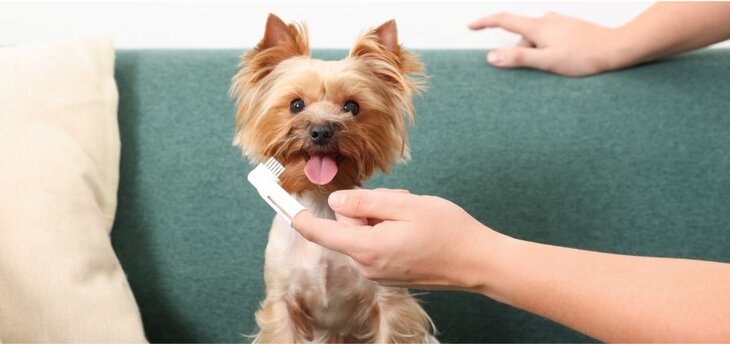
427 242
667 29
613 297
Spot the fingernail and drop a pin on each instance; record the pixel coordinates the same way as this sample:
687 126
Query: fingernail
337 199
494 57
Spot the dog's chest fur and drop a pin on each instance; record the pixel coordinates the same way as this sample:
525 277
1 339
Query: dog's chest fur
326 284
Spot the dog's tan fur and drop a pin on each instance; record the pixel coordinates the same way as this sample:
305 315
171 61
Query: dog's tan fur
312 293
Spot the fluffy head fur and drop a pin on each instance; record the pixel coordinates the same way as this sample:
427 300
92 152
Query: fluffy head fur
378 74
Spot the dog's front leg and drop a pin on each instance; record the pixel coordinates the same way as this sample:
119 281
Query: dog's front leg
401 319
281 321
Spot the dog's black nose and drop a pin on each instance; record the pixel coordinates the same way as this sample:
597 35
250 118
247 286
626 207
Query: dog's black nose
321 134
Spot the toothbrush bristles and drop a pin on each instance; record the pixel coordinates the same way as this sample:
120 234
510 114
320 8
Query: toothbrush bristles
274 167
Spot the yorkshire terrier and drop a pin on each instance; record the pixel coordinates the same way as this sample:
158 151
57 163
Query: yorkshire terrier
332 124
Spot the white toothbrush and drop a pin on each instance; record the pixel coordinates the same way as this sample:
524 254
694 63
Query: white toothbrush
265 178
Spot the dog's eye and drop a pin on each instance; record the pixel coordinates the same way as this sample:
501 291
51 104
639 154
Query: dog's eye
351 107
296 106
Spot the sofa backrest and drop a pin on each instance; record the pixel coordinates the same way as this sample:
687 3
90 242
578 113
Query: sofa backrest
631 162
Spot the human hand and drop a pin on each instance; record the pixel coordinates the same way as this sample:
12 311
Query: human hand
407 240
554 43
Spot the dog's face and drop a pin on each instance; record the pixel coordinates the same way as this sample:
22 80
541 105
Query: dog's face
332 124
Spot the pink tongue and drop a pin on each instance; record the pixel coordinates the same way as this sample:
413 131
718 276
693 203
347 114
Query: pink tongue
320 169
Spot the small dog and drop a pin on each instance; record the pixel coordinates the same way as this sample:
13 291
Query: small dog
332 124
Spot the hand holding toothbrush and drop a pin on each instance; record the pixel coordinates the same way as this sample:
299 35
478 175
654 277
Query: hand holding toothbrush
409 240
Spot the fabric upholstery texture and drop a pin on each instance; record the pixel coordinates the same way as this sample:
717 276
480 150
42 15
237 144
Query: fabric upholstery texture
60 280
631 162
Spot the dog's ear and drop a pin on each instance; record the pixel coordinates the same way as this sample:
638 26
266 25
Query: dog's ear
401 70
291 38
280 42
387 35
381 43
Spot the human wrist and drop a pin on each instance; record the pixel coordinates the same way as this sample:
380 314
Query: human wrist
488 262
624 48
616 50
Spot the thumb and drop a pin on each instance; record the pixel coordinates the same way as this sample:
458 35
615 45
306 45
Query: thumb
361 203
519 57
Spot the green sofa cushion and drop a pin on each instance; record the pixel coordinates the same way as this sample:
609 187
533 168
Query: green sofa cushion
632 162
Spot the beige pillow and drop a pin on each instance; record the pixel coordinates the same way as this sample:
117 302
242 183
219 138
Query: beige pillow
60 280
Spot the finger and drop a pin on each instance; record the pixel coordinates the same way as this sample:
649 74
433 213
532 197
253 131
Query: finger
357 221
510 22
392 190
519 57
334 235
372 204
524 42
351 220
373 222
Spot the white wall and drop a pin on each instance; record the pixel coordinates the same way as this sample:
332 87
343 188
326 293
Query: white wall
236 25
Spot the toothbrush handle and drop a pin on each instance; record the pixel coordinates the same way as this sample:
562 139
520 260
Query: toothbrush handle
284 203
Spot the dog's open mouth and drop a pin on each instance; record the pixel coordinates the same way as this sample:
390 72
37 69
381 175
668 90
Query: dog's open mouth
321 168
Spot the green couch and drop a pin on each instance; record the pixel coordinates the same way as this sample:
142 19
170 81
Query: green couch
633 162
